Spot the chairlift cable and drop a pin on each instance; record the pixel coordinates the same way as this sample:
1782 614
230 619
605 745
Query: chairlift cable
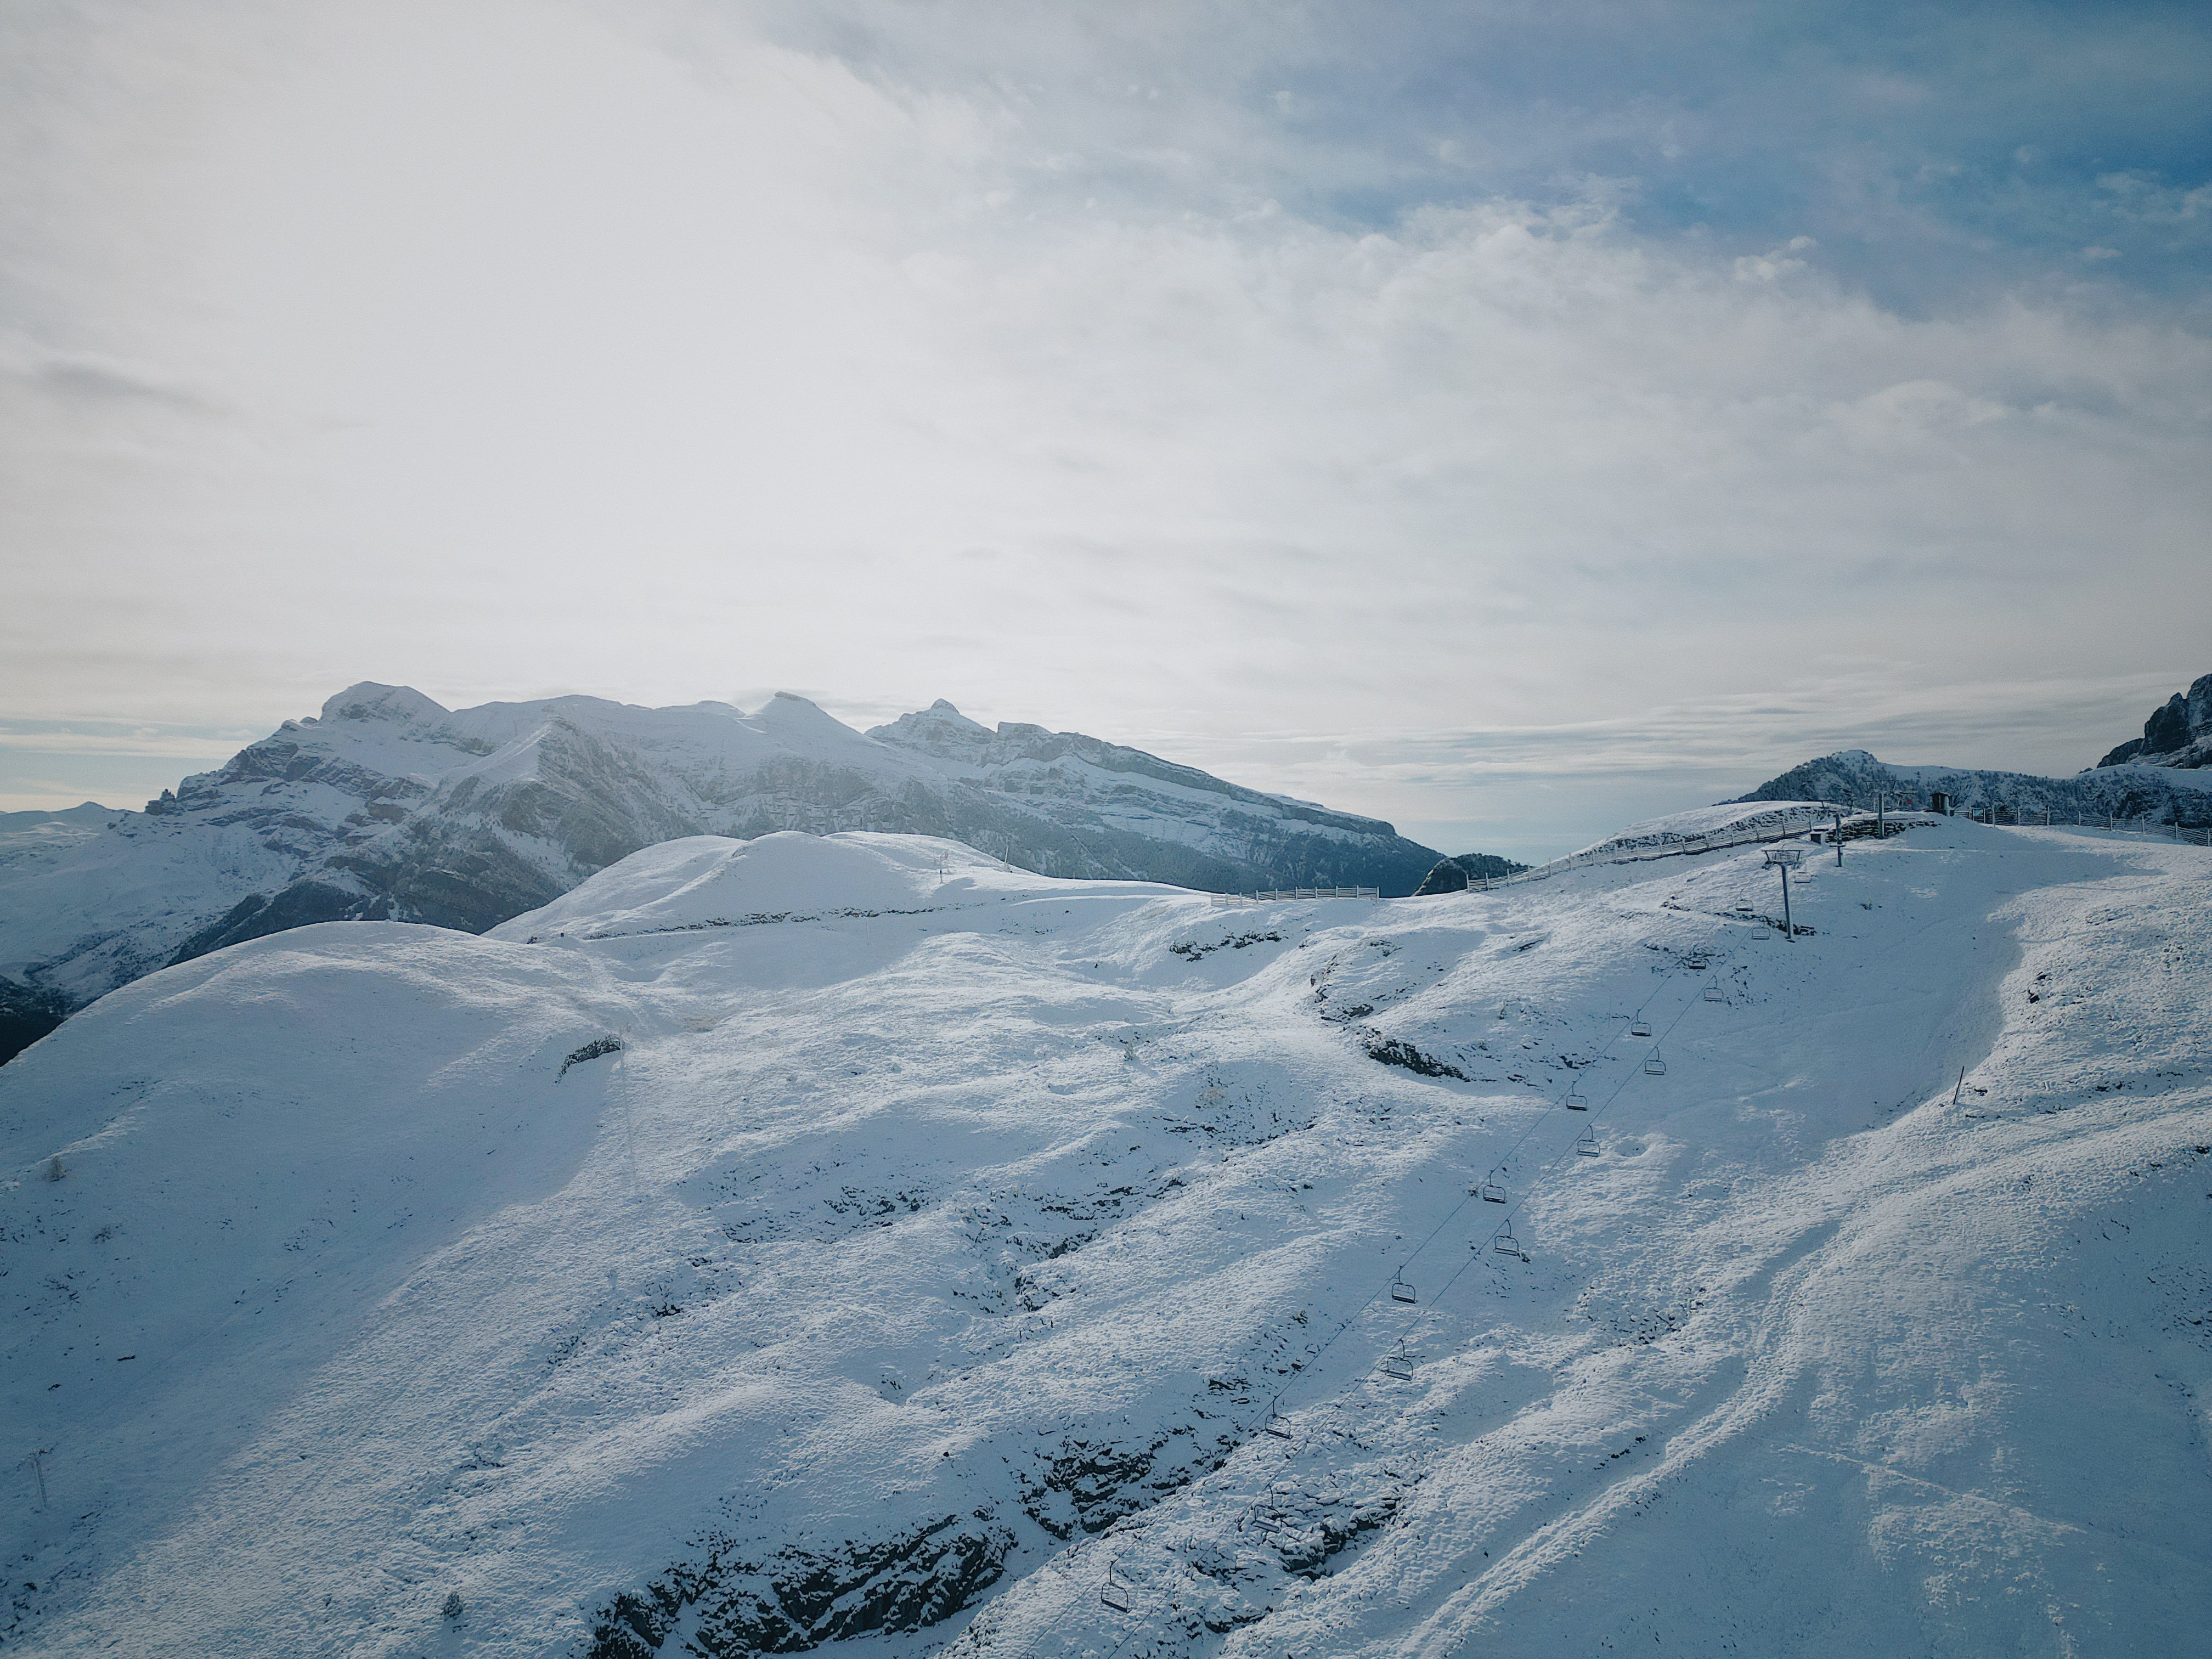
1596 1112
1436 1301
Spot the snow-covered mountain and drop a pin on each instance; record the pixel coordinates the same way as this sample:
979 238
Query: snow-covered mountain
847 1243
2178 732
387 806
2161 777
2129 791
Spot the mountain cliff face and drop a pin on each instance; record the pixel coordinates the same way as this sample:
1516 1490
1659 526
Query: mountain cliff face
2129 791
2178 733
389 806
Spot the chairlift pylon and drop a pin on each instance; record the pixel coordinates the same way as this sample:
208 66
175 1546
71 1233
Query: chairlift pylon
1400 1290
1654 1066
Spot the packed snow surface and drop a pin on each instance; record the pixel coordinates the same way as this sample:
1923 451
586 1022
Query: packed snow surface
848 1240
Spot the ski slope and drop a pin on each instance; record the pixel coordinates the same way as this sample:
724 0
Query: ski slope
850 1241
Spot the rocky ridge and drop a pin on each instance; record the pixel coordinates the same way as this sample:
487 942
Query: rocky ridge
2178 732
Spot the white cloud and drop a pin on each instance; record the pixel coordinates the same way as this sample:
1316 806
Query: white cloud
518 350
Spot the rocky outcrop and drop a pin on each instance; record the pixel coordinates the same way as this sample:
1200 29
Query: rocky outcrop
2178 732
796 1599
1453 874
26 1013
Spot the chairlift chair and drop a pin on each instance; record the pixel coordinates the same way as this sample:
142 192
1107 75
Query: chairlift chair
1504 1243
1493 1192
1277 1425
1654 1066
1400 1366
1639 1027
1115 1595
1400 1290
1713 991
1574 1101
1586 1143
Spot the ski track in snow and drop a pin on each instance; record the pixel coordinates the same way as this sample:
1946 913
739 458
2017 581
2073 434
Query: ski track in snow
964 1199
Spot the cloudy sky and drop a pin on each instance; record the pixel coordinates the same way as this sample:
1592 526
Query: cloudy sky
1506 418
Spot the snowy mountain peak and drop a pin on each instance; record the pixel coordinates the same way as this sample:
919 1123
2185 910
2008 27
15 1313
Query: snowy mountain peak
391 807
939 729
372 700
790 718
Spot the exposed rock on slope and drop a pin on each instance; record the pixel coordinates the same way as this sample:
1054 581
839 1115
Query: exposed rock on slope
2178 733
1452 875
389 806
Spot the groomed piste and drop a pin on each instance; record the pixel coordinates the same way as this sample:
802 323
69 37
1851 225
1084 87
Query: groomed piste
851 1241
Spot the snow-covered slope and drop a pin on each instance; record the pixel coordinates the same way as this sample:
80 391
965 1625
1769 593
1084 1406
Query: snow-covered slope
856 1243
2128 791
1766 815
388 805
